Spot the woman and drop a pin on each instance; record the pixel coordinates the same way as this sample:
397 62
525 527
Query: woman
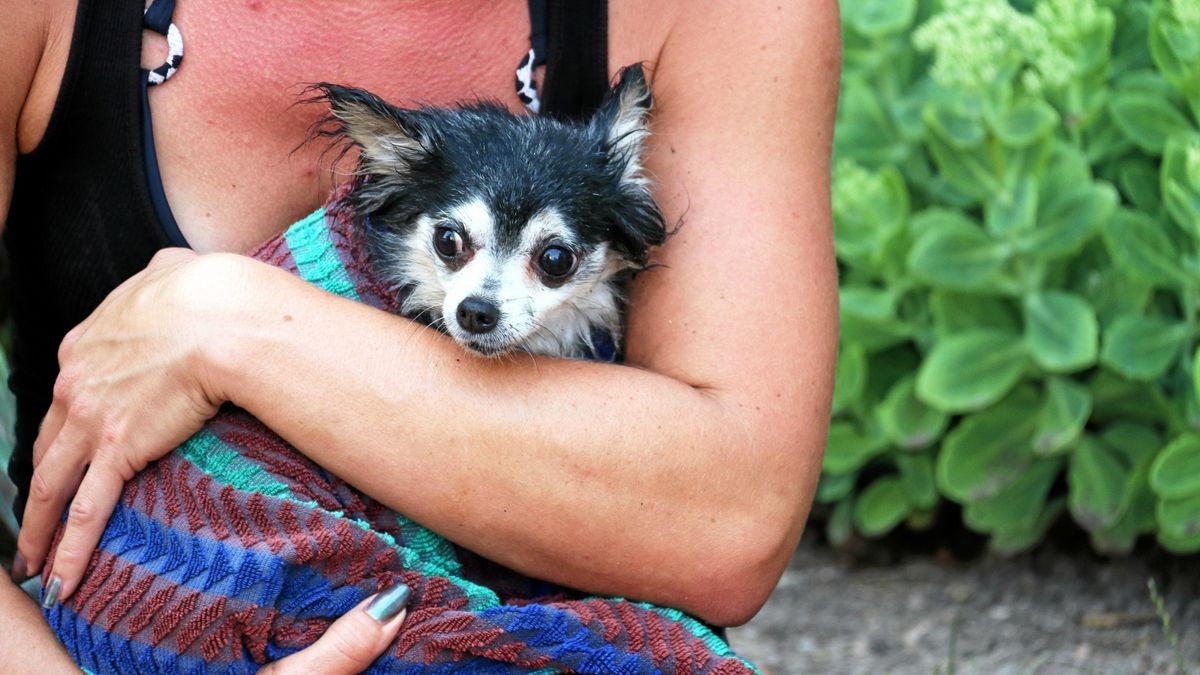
683 478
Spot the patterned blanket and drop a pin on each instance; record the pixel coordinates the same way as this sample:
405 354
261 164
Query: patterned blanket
236 550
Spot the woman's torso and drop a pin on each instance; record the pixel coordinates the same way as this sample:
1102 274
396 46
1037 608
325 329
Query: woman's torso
228 133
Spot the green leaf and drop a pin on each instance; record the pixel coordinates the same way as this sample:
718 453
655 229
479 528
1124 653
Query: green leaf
1068 168
867 206
833 488
877 18
1140 444
851 377
1113 293
956 256
1180 176
1065 410
1029 120
961 129
907 421
1096 480
1173 46
1012 212
1147 120
846 450
1066 221
868 318
864 132
1175 473
1017 506
841 522
1115 398
970 370
955 312
968 172
1011 542
1142 347
1179 545
1061 331
1179 518
881 507
987 451
1139 181
917 476
1142 249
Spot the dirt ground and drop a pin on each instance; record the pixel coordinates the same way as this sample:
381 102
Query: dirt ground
1050 612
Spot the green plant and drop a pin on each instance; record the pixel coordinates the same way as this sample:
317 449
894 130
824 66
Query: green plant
1017 207
1164 618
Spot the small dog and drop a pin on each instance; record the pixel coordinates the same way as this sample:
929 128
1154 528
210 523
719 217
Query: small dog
507 232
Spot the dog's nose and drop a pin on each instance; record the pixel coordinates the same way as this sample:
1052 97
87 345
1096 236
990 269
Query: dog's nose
477 316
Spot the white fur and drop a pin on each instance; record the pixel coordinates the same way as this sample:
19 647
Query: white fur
533 317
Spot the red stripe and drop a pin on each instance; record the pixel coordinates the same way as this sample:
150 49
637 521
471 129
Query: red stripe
169 619
148 611
110 590
196 625
126 602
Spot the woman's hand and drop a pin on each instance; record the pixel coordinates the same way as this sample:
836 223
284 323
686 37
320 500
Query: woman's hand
353 641
131 387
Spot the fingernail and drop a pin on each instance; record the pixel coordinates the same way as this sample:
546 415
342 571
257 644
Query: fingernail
20 570
52 589
388 604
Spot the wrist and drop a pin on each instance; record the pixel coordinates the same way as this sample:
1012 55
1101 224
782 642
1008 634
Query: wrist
227 303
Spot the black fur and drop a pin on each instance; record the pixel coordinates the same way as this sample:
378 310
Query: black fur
518 164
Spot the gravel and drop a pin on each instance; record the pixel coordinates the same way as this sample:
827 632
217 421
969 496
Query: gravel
1049 612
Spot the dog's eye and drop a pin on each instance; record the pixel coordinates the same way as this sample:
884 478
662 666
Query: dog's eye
448 243
556 263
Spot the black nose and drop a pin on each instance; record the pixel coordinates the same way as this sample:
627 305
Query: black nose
477 316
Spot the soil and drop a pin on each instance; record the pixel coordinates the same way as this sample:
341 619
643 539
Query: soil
1053 611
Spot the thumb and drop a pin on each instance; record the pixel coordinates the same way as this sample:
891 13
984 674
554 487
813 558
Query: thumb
352 642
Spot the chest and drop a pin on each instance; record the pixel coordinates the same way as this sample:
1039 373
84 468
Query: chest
229 131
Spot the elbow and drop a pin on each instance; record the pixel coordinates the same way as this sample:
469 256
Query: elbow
733 588
754 532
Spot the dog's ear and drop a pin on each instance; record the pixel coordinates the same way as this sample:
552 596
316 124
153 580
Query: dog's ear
392 140
623 122
623 119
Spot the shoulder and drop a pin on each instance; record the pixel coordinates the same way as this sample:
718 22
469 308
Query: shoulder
771 52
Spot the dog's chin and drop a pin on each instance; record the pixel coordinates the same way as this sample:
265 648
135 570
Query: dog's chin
486 348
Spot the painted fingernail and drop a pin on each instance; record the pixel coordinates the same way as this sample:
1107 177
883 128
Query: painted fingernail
52 589
388 604
20 569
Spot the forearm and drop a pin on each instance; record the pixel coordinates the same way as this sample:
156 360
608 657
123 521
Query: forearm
26 640
607 478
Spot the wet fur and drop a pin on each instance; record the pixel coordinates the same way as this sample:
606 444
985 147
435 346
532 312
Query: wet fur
417 167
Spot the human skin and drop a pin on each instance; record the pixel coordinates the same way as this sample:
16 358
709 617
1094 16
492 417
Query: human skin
682 477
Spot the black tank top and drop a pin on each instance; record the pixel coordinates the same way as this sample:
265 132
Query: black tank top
82 219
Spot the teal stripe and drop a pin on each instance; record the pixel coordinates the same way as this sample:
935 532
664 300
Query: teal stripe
316 258
214 457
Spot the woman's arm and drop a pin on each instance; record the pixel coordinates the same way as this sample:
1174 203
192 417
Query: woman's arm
683 478
26 641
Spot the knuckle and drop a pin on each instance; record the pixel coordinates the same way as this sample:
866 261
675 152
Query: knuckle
83 511
63 385
40 490
83 406
353 642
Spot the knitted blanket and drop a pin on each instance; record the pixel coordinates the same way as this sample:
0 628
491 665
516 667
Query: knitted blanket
236 550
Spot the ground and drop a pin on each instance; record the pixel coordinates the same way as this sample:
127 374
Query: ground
1056 611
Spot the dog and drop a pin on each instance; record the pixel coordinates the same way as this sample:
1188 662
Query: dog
507 232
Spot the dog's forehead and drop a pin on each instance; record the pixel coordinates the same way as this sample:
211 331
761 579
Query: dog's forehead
494 231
